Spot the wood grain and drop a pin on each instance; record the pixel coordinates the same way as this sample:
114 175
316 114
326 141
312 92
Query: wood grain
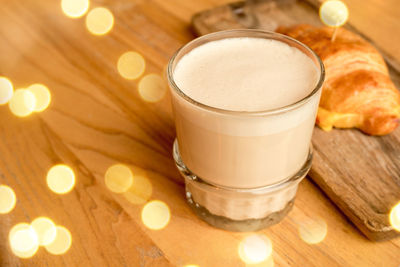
359 173
97 118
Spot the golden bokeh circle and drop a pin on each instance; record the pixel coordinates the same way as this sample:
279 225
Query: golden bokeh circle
131 65
255 249
118 178
45 229
333 13
8 199
26 254
394 217
313 230
61 243
156 215
140 191
99 21
152 87
16 228
6 90
23 240
74 8
22 103
61 179
42 95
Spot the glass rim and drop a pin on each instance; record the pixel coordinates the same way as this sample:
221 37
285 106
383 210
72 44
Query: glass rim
267 35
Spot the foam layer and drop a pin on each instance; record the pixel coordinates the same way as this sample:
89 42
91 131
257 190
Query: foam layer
246 74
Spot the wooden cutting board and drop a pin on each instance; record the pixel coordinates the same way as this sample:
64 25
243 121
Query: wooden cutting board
359 173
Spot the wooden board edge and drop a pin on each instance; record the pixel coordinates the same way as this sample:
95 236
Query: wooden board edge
367 228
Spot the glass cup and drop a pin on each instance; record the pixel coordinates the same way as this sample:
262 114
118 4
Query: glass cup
242 169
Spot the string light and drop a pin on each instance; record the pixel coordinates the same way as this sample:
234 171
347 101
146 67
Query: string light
333 13
22 103
45 229
42 95
23 240
6 90
140 191
152 88
7 199
61 179
131 65
74 8
255 249
155 215
61 243
99 21
394 217
17 227
118 178
313 231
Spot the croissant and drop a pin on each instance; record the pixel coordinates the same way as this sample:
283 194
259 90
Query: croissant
357 91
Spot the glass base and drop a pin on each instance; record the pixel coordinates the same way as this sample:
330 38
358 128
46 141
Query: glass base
236 209
248 225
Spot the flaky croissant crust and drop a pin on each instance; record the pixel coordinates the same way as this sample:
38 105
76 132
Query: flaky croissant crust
357 91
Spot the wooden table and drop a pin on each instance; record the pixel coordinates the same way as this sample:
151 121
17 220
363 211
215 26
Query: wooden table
97 118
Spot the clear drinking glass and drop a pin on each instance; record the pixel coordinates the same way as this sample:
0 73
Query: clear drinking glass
242 169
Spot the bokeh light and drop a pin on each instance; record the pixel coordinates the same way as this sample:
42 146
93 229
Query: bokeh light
140 191
23 240
74 8
155 215
255 249
61 243
313 231
42 95
118 178
26 254
6 90
7 199
394 217
152 88
99 21
17 227
333 13
22 103
131 65
61 179
45 229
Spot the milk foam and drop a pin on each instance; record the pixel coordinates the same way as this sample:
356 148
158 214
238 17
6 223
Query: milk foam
246 74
